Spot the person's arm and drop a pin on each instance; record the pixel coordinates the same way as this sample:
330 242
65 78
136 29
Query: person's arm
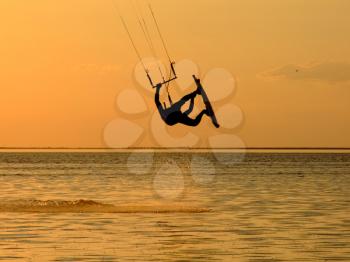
157 97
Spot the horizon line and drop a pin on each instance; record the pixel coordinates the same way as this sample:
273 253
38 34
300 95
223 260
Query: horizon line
175 148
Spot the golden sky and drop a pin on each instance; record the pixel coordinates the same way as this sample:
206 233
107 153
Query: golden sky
63 64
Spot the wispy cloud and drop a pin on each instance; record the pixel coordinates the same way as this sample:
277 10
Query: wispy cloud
331 72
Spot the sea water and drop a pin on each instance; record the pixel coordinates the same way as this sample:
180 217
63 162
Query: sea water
174 206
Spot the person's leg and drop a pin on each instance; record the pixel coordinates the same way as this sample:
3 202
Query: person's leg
190 109
193 122
185 99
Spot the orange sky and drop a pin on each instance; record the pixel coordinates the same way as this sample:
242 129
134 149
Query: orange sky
63 63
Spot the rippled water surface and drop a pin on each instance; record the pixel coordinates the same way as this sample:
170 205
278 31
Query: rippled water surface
174 207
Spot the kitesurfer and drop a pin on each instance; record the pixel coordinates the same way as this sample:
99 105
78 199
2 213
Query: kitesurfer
173 114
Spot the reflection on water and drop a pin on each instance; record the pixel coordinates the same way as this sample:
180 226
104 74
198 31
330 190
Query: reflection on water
89 206
271 207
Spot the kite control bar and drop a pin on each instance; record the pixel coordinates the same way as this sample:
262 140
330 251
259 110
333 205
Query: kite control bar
164 81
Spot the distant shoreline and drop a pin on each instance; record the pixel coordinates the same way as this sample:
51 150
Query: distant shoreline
187 148
249 150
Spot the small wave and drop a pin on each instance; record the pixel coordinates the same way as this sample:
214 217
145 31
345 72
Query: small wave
89 206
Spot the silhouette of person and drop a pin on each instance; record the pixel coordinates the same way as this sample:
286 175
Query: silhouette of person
173 114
